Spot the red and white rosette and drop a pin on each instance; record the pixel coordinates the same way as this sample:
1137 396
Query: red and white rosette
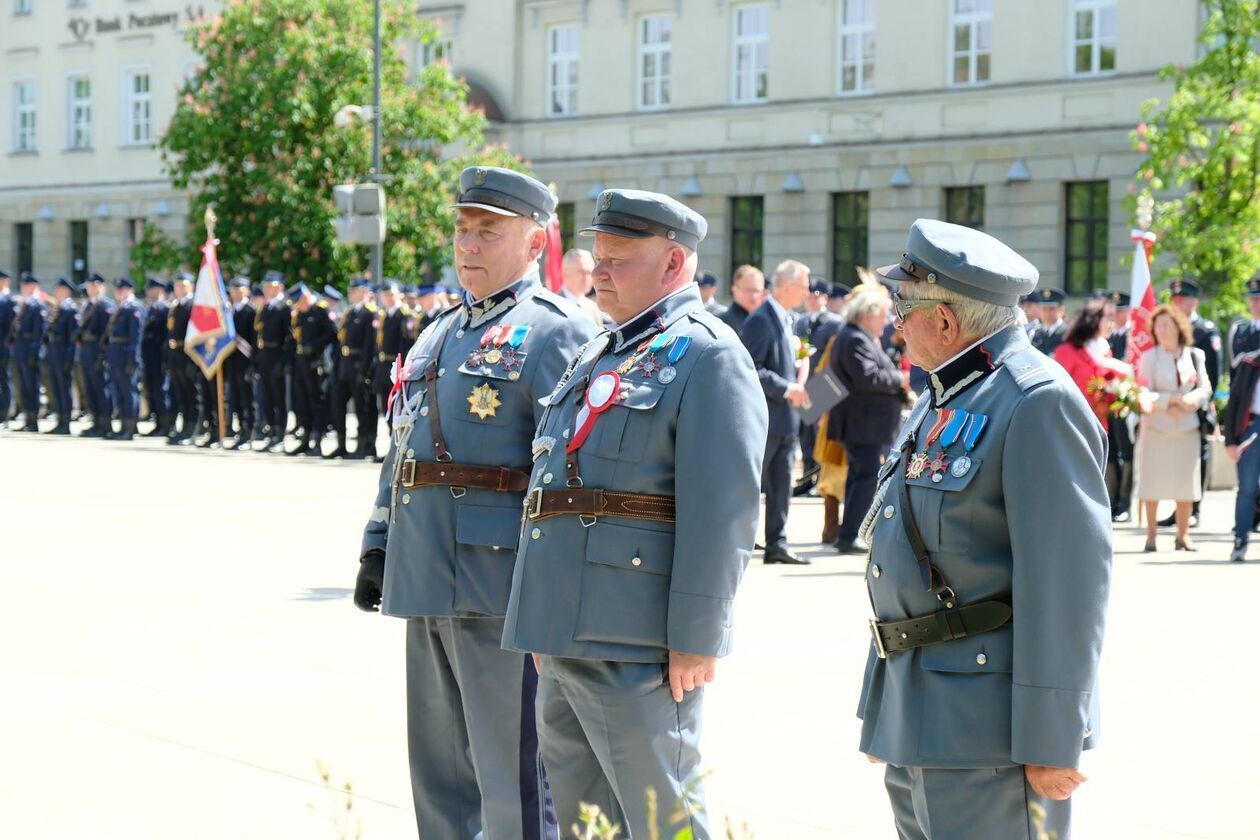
600 396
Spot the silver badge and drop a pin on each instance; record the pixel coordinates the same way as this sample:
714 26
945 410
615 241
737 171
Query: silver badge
543 445
960 467
667 375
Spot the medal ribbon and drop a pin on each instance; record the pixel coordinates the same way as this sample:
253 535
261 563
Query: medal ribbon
487 335
589 412
975 428
659 343
943 416
954 428
679 348
518 336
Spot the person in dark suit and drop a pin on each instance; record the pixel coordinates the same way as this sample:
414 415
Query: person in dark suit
1185 294
1119 437
814 328
153 355
866 421
8 313
238 367
708 282
748 291
1051 328
768 336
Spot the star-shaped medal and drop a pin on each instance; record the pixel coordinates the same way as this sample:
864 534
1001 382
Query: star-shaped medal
510 360
917 464
649 366
938 463
483 401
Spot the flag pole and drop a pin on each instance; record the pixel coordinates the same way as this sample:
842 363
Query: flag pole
211 219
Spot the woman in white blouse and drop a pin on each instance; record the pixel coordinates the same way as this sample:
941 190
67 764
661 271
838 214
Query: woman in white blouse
1167 452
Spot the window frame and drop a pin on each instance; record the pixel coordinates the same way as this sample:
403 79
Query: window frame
855 231
23 8
664 54
1096 41
572 82
1093 225
755 256
972 20
18 145
73 104
760 46
864 86
969 194
24 251
130 99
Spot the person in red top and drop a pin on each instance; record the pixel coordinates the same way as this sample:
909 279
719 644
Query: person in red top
1087 357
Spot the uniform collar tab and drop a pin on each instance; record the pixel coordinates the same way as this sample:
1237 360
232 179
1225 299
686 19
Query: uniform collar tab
973 364
657 317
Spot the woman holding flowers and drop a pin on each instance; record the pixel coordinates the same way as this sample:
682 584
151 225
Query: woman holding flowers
1087 358
1167 452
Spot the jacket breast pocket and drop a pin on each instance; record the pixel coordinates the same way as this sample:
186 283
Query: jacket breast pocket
966 711
625 585
625 428
943 510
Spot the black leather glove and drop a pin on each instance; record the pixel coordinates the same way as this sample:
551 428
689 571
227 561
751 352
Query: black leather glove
367 587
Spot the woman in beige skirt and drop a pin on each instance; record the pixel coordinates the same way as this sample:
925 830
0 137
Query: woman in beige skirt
1167 452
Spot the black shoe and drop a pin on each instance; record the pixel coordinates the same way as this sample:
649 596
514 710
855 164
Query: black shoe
787 558
806 485
1120 518
93 431
853 546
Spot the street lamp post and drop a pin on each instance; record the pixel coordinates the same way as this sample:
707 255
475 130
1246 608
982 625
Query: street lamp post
378 250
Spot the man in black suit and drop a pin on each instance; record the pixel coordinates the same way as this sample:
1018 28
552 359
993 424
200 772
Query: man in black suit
1184 294
748 291
815 327
768 336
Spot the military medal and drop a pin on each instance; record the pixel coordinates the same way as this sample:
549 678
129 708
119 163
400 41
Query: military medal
628 364
483 401
917 464
667 375
600 395
937 466
961 465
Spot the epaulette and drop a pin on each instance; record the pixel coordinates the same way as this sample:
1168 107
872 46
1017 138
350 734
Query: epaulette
405 311
561 304
708 320
322 304
1029 368
371 307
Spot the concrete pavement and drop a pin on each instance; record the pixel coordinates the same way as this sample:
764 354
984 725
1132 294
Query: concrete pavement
163 679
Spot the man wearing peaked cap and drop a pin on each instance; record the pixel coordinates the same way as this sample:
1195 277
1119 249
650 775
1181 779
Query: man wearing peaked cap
8 311
29 324
272 325
1241 420
1051 328
238 367
314 336
182 369
122 354
59 353
638 526
352 371
708 283
153 355
93 328
1119 437
447 518
1185 293
980 689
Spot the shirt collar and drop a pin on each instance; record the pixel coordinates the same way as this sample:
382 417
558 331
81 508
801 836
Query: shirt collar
657 317
494 304
964 369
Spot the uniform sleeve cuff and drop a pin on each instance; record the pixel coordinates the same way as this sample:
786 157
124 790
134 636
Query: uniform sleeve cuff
699 624
372 541
1049 726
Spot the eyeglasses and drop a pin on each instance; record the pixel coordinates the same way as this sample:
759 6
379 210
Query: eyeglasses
904 307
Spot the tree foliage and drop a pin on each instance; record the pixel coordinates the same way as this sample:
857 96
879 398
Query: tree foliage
253 135
1202 156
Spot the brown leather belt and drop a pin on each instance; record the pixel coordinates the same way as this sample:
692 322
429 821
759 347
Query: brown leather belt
430 473
577 501
942 626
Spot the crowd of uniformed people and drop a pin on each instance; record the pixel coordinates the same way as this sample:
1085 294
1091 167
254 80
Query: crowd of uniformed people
303 360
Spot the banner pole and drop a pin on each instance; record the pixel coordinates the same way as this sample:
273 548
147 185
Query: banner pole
218 387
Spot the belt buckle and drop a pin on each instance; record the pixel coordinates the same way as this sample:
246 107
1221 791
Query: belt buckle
408 472
533 503
879 641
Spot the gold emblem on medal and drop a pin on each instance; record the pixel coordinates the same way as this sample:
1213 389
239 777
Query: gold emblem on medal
483 401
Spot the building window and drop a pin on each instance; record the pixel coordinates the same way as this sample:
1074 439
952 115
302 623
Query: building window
138 119
747 214
971 25
135 232
965 206
433 52
655 48
857 46
79 251
1093 36
751 53
24 237
24 116
562 71
79 123
850 222
22 7
1085 251
564 218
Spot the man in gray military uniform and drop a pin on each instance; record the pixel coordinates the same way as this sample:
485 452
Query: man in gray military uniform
638 526
443 533
990 563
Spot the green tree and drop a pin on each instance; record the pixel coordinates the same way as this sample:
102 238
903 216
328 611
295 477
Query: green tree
253 135
1202 157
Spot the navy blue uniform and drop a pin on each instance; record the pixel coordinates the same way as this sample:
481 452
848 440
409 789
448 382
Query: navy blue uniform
123 355
152 351
271 328
238 368
59 359
356 350
28 334
8 312
180 369
313 334
93 322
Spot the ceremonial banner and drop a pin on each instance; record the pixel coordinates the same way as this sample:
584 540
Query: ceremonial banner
554 270
211 331
1142 296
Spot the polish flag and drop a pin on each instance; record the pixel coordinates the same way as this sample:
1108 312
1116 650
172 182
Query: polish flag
553 267
1142 295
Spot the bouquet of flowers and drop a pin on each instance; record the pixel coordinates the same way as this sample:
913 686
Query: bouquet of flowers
1121 394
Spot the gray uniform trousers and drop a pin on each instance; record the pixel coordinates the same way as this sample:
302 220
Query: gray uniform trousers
988 804
470 733
610 731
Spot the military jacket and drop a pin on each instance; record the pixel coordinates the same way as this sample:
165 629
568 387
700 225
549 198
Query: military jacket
244 317
8 312
313 332
271 324
690 423
356 341
62 324
28 329
1244 337
1047 339
1010 501
123 333
177 326
394 333
94 320
1208 339
449 551
153 338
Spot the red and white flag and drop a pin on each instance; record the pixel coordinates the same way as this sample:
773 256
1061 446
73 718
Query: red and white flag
553 269
211 331
1142 295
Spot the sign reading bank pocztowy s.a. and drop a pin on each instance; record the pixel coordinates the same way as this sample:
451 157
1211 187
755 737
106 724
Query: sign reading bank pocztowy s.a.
80 27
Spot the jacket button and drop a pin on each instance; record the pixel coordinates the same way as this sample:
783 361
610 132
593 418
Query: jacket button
875 572
441 371
406 498
411 453
888 512
547 478
638 561
459 334
565 435
535 534
424 411
981 659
